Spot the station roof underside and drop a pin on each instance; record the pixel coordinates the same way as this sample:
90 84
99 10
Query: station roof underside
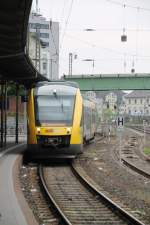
15 64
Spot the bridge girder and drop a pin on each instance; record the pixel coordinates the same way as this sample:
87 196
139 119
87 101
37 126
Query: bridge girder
111 82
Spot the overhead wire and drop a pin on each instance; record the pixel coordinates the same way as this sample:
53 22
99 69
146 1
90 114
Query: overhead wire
137 32
52 10
107 49
135 59
66 23
62 16
90 44
128 5
126 54
63 11
109 30
51 30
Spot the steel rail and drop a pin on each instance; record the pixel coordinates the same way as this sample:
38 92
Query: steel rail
62 215
130 218
121 213
135 168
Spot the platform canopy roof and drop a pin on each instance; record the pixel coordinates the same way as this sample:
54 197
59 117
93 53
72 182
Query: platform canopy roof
15 64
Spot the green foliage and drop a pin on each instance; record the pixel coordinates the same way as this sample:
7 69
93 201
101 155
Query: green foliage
108 115
11 90
147 150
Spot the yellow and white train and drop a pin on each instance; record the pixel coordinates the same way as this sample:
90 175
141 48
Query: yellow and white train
60 120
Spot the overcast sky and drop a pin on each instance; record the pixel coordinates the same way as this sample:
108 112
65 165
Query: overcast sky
108 18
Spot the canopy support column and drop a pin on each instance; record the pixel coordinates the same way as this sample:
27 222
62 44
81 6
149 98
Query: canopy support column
17 107
2 115
5 113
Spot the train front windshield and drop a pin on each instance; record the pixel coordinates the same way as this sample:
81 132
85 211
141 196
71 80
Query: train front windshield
56 110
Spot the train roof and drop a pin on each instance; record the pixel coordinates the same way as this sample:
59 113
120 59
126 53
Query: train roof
59 82
50 88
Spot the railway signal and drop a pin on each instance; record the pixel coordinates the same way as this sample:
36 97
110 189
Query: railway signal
120 122
120 126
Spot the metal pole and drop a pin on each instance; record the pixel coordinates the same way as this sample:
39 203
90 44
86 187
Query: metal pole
70 64
93 66
25 118
51 68
5 112
2 111
17 107
25 114
39 56
28 39
36 49
144 135
120 147
37 6
144 132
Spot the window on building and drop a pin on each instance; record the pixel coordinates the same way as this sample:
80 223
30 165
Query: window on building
141 101
32 26
35 25
44 35
44 65
38 25
135 101
44 56
147 111
148 101
129 101
129 111
44 26
45 44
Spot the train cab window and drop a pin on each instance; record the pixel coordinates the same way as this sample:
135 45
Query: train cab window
54 110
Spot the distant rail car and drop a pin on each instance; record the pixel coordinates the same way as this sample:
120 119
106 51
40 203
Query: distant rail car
60 120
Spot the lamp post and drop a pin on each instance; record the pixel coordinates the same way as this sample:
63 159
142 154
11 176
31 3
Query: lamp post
71 57
89 29
51 67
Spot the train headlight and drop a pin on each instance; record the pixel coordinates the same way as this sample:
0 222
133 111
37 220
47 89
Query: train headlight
68 130
38 130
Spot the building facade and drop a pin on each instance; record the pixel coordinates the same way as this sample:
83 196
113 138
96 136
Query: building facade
111 100
48 33
137 103
39 54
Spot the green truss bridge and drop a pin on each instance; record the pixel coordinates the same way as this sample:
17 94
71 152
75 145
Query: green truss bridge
103 82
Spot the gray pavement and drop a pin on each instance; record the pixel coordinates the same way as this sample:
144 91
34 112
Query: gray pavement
10 211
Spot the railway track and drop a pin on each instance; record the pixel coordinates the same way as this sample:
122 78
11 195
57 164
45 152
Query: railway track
43 211
141 128
130 158
79 202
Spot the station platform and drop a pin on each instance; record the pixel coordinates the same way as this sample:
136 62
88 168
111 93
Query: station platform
11 211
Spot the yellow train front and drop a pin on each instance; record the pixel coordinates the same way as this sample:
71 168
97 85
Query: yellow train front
56 118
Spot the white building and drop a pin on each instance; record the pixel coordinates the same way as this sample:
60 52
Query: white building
34 48
48 32
91 95
38 53
137 103
111 99
45 66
